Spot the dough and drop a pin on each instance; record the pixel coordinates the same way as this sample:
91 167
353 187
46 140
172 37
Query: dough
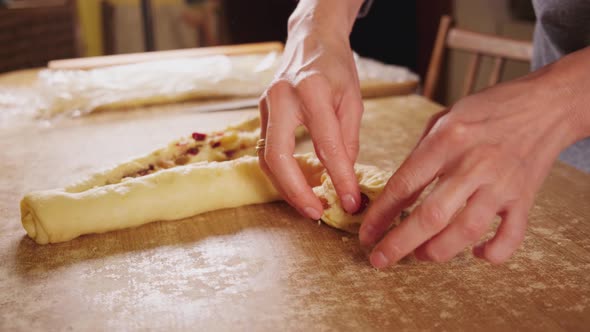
176 80
233 142
192 175
371 180
57 215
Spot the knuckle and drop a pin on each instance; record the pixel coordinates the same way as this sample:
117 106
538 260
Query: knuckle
467 104
393 252
272 158
399 188
392 193
310 79
345 180
435 254
455 132
327 147
311 83
431 219
477 156
277 89
353 151
327 142
353 142
505 249
486 162
472 230
434 119
465 178
296 195
514 239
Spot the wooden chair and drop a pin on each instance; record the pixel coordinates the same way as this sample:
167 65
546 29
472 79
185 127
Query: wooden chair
147 16
206 20
480 45
108 26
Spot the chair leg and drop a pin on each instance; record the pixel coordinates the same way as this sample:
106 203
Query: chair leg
148 25
433 74
472 70
108 28
496 71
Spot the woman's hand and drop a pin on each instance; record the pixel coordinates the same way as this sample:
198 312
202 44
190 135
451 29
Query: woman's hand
489 156
316 86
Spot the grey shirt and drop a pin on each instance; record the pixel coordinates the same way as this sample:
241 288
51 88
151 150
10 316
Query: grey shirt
563 26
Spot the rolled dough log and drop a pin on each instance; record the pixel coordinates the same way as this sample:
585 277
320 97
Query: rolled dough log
201 173
57 215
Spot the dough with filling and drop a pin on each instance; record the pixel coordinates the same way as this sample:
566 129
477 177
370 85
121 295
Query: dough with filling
192 175
371 180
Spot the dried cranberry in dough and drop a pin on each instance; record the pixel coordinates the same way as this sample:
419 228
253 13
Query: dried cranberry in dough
199 136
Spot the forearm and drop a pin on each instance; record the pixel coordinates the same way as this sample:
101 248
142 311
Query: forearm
567 84
335 16
577 78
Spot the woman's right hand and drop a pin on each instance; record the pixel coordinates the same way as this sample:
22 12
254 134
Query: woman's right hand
316 86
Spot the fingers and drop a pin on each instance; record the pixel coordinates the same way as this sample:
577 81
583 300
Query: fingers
349 113
508 238
432 122
281 113
324 129
419 170
427 220
470 225
263 109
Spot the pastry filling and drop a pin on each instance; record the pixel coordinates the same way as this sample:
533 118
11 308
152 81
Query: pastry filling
198 147
363 206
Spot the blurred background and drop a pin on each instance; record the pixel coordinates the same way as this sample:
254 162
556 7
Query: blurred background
400 32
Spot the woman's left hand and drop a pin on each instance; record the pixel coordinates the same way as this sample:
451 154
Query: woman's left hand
489 156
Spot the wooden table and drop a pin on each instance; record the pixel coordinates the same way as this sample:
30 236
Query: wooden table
264 267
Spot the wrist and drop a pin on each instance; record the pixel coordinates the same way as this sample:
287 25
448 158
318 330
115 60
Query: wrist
568 81
579 86
333 17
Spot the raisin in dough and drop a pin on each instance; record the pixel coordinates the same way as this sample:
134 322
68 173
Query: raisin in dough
192 175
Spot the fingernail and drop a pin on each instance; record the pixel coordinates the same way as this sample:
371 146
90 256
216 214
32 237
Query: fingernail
312 213
349 203
379 260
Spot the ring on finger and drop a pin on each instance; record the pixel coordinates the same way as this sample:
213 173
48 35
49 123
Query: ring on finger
260 145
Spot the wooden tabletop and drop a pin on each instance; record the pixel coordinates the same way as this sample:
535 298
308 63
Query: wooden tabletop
264 267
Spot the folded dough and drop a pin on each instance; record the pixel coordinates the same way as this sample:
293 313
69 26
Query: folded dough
371 180
159 187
